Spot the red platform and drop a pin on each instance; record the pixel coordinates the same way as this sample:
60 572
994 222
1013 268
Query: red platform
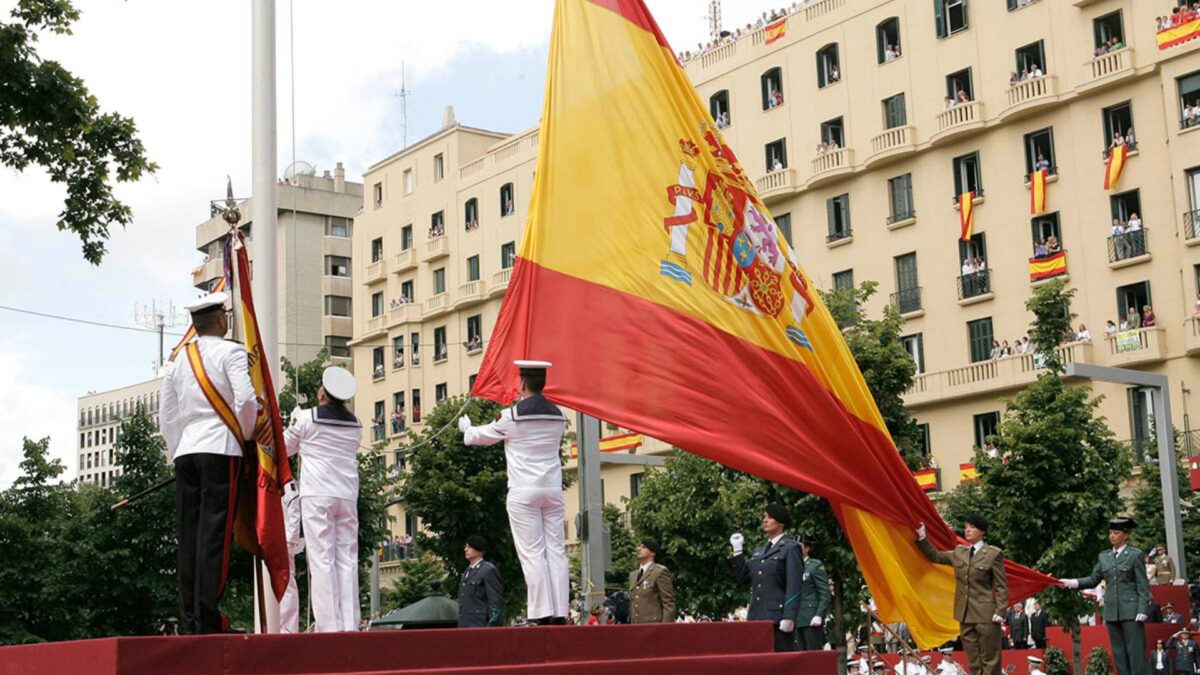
695 649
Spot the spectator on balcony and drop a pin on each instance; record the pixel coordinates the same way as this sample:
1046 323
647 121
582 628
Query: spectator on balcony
990 449
1120 245
1084 335
997 351
1148 318
891 53
397 421
1035 71
1039 249
980 264
378 374
1135 223
777 166
962 97
1013 78
1110 328
398 359
948 102
1133 319
968 268
1052 245
1129 140
1005 349
1042 164
834 75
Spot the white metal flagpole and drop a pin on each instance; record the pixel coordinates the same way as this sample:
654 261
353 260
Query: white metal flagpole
263 215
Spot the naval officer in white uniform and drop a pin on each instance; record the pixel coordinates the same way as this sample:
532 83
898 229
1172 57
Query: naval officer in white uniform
208 412
327 438
532 431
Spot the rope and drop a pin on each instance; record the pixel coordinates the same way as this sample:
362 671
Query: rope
292 73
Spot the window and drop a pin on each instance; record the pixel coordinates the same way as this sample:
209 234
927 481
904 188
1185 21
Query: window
894 114
337 305
406 290
377 363
337 227
837 210
1118 119
718 107
1018 4
1128 238
887 40
966 175
398 413
474 332
406 237
337 266
437 224
416 403
1141 421
843 280
439 281
507 206
471 214
1108 31
1045 230
508 255
377 190
377 304
908 290
473 268
1030 59
950 16
410 181
985 427
439 167
972 257
915 346
980 338
378 430
1039 152
410 523
1125 205
1189 99
398 352
471 381
1193 191
827 66
415 342
440 349
784 223
833 133
772 88
441 392
376 249
1132 297
635 484
958 84
776 154
900 199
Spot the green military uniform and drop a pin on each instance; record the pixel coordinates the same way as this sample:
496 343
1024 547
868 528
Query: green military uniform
651 595
814 602
980 592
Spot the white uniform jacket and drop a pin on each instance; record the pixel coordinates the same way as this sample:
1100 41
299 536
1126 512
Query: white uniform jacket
531 430
189 423
327 439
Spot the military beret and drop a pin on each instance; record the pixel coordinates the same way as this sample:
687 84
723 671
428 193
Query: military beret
478 543
976 521
652 545
780 513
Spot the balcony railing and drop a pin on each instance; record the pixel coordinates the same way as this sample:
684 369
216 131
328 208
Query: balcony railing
376 270
978 195
1138 346
899 138
776 183
436 248
992 375
959 118
469 292
974 284
832 161
838 235
1029 92
1129 245
375 323
437 303
500 281
1107 67
719 54
1191 224
907 299
815 9
406 312
1191 334
404 260
901 216
378 433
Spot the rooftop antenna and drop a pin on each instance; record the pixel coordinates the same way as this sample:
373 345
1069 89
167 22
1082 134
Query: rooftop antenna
159 316
714 19
403 95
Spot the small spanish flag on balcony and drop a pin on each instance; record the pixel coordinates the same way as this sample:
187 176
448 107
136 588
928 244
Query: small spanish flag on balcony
1044 268
775 31
1037 191
967 473
613 444
1179 34
1116 164
927 479
1194 472
966 214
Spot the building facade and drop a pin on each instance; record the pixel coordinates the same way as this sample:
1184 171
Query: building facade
314 261
100 417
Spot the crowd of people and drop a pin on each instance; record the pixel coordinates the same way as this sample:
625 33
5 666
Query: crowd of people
826 147
722 119
436 230
1029 72
960 98
1191 113
397 548
728 37
1046 247
1128 237
1182 14
1108 46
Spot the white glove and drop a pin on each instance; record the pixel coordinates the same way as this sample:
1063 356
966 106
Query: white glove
996 618
920 531
787 625
464 423
1069 583
1141 618
816 622
295 416
738 542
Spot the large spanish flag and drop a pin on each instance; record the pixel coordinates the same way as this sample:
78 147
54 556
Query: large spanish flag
1175 35
654 278
1037 192
1115 165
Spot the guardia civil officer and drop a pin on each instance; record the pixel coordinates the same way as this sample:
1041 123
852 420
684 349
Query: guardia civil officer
208 413
480 593
814 600
327 438
775 572
532 430
1126 596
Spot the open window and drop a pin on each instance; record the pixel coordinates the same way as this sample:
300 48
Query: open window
887 40
772 88
900 198
838 215
967 177
950 17
959 87
833 133
507 205
1046 233
718 106
828 70
1189 99
471 214
1031 60
776 153
1118 122
1039 152
894 113
1108 31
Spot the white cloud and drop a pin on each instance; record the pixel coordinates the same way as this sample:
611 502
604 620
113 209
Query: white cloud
32 410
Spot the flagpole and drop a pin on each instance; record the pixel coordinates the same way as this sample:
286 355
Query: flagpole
263 216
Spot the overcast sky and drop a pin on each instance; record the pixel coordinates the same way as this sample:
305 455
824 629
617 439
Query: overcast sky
180 69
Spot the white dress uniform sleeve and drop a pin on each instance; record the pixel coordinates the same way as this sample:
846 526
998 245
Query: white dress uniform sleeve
293 435
169 414
245 402
490 434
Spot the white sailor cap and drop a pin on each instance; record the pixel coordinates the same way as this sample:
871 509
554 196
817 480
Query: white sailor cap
339 383
208 302
947 650
1034 660
532 365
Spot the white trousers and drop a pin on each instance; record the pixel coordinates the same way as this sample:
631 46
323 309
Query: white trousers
331 539
289 606
536 516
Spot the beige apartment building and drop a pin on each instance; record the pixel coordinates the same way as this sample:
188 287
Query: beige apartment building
315 292
100 417
868 79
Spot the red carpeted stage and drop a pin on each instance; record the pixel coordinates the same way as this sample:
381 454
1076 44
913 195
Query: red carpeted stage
695 649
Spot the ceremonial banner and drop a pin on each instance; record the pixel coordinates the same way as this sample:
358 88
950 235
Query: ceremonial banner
1175 35
1115 165
674 306
1037 191
776 30
967 473
966 214
1051 266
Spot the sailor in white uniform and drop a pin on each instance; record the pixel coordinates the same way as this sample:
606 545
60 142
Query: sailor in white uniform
327 438
532 431
949 666
208 412
1035 666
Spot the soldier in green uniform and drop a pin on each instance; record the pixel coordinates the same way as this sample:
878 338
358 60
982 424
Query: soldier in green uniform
814 600
1126 597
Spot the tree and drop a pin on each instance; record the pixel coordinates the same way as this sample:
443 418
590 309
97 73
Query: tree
304 380
1146 508
50 120
622 548
418 577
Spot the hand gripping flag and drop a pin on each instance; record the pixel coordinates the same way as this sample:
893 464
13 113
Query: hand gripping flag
654 278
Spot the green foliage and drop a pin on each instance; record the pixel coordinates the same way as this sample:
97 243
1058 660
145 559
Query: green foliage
886 365
1098 663
305 378
49 119
1146 507
376 487
1052 317
623 547
1054 662
418 577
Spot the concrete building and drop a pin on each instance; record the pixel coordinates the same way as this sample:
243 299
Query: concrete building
868 80
100 417
314 267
